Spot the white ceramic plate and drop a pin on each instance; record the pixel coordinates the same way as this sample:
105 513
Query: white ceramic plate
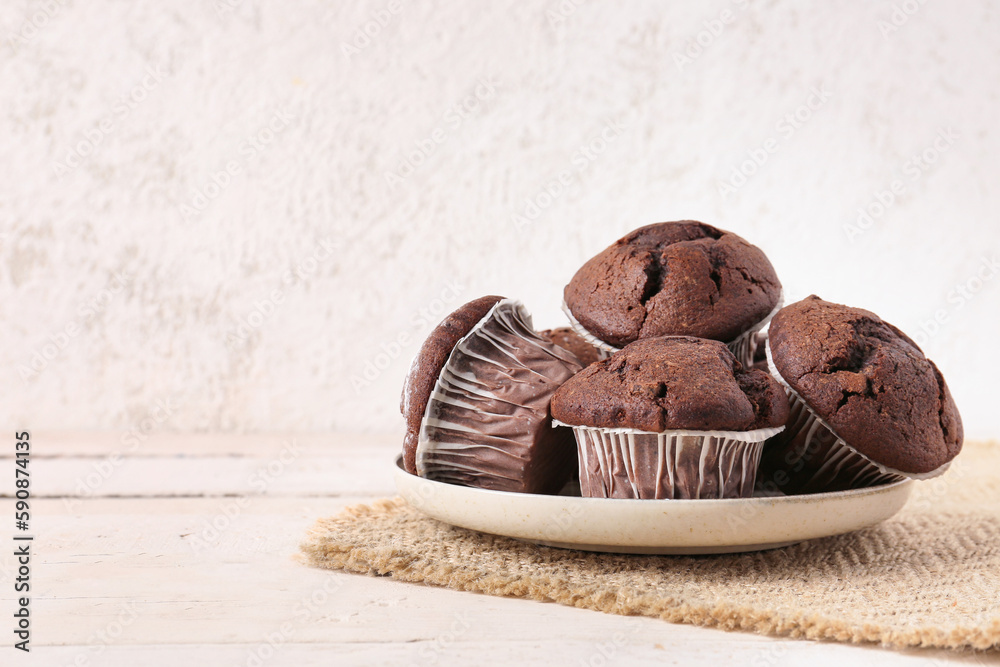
653 526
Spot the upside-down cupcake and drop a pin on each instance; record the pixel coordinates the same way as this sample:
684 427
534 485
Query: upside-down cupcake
867 407
670 417
675 279
476 402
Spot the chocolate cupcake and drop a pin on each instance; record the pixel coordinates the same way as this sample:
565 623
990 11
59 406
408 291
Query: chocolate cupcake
569 340
674 279
476 402
670 417
867 406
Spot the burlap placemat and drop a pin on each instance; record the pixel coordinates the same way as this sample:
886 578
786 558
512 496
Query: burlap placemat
930 576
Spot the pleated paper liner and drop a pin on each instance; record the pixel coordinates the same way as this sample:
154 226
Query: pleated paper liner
744 347
487 422
809 456
604 350
679 464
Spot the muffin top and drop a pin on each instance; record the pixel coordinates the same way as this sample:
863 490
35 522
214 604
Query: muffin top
572 342
674 278
427 365
868 381
671 382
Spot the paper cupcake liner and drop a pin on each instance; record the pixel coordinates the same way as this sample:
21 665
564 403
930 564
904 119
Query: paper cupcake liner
810 457
744 347
487 421
604 350
678 464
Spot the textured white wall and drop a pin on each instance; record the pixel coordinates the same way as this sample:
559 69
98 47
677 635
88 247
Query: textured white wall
216 214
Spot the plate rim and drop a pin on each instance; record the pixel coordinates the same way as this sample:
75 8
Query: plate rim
803 498
651 526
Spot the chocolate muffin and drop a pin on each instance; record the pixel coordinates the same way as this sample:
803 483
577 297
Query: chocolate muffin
476 402
671 382
675 278
427 365
569 340
868 406
670 417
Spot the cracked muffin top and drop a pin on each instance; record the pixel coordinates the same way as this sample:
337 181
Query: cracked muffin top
672 382
868 381
674 278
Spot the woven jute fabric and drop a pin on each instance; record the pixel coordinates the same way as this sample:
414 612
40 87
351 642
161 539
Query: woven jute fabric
930 576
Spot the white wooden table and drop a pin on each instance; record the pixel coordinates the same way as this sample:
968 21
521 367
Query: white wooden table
181 550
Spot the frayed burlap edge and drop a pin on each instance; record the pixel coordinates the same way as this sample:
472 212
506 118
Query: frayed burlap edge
324 552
